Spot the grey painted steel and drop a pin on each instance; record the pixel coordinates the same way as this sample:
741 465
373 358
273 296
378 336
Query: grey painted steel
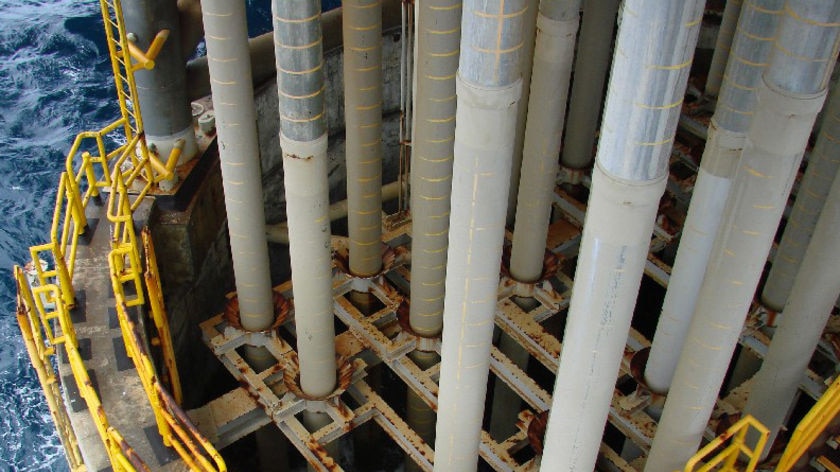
806 313
591 68
822 167
433 142
162 92
303 139
725 36
650 71
506 402
751 50
236 127
362 31
488 88
553 57
775 142
529 33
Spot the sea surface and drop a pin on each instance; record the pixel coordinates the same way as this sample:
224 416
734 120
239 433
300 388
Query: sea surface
55 81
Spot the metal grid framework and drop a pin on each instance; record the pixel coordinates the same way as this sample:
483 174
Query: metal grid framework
384 336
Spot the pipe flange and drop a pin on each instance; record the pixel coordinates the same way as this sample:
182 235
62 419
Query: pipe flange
282 307
345 368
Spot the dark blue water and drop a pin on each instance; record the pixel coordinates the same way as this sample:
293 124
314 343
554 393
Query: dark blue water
55 81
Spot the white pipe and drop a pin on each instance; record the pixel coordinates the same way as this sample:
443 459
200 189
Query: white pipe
650 70
438 39
362 32
236 126
720 57
727 133
777 137
488 89
811 300
822 167
279 232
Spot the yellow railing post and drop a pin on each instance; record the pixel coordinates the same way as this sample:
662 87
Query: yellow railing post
725 459
811 426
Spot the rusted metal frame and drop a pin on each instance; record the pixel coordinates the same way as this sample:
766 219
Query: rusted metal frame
416 379
611 461
494 454
519 381
420 452
528 333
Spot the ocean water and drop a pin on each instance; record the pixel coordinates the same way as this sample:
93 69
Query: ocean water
55 81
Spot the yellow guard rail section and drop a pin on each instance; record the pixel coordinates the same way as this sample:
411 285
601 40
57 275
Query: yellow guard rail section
90 167
811 427
724 461
40 310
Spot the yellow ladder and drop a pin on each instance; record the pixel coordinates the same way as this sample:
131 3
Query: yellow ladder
123 52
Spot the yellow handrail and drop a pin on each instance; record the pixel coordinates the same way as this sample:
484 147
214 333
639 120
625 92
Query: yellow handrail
43 330
811 426
725 459
156 305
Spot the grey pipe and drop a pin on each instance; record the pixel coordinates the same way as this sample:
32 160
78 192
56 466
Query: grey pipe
362 32
727 132
161 91
591 68
553 56
777 137
438 41
529 33
650 71
262 49
822 167
303 138
488 89
811 300
720 57
236 126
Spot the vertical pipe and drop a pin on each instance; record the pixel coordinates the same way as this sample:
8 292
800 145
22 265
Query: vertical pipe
362 33
557 25
720 57
591 67
823 166
554 51
814 292
791 94
438 39
650 70
420 416
488 88
303 138
236 126
162 92
529 32
727 132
